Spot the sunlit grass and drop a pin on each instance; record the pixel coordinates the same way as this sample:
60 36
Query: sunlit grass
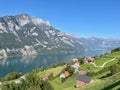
55 71
58 85
101 61
115 54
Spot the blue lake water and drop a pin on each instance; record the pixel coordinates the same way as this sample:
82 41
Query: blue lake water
29 63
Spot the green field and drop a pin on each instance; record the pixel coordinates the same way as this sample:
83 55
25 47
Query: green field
90 66
100 61
58 85
55 71
101 84
115 54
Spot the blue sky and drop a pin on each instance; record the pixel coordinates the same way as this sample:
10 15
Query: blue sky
84 18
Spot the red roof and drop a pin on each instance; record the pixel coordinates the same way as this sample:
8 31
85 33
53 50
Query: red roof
46 77
81 72
66 74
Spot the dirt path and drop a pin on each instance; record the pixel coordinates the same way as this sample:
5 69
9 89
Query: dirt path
104 63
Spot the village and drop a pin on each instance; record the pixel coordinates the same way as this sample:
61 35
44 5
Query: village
79 73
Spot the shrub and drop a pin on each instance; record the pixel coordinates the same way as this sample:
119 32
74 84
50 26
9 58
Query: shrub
50 77
115 68
69 69
32 82
12 76
81 60
56 65
115 50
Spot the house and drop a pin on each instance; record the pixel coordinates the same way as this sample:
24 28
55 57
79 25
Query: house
23 77
88 59
76 66
82 79
81 72
75 60
0 83
17 81
46 77
65 74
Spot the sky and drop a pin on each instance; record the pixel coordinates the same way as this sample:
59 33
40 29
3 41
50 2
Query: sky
83 18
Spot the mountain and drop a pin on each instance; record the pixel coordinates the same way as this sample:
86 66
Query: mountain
25 35
100 44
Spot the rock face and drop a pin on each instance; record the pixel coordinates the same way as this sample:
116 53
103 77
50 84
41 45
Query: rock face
26 35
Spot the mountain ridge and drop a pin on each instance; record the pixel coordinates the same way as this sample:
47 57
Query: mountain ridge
26 35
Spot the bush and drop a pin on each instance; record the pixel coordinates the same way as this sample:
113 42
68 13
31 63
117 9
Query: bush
81 60
115 50
32 82
115 68
56 65
12 76
51 77
69 69
64 79
46 85
13 86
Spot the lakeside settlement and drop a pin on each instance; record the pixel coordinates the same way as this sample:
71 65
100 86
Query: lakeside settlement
87 73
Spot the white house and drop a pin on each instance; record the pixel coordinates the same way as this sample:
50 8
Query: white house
0 83
23 77
17 81
62 76
76 66
75 60
65 74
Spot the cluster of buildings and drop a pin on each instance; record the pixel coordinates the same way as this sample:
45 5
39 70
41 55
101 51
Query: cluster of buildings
82 79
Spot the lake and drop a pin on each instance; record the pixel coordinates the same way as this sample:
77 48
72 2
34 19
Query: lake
29 63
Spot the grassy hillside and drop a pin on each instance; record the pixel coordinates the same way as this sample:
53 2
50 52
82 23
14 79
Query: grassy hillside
55 71
58 85
103 79
114 54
